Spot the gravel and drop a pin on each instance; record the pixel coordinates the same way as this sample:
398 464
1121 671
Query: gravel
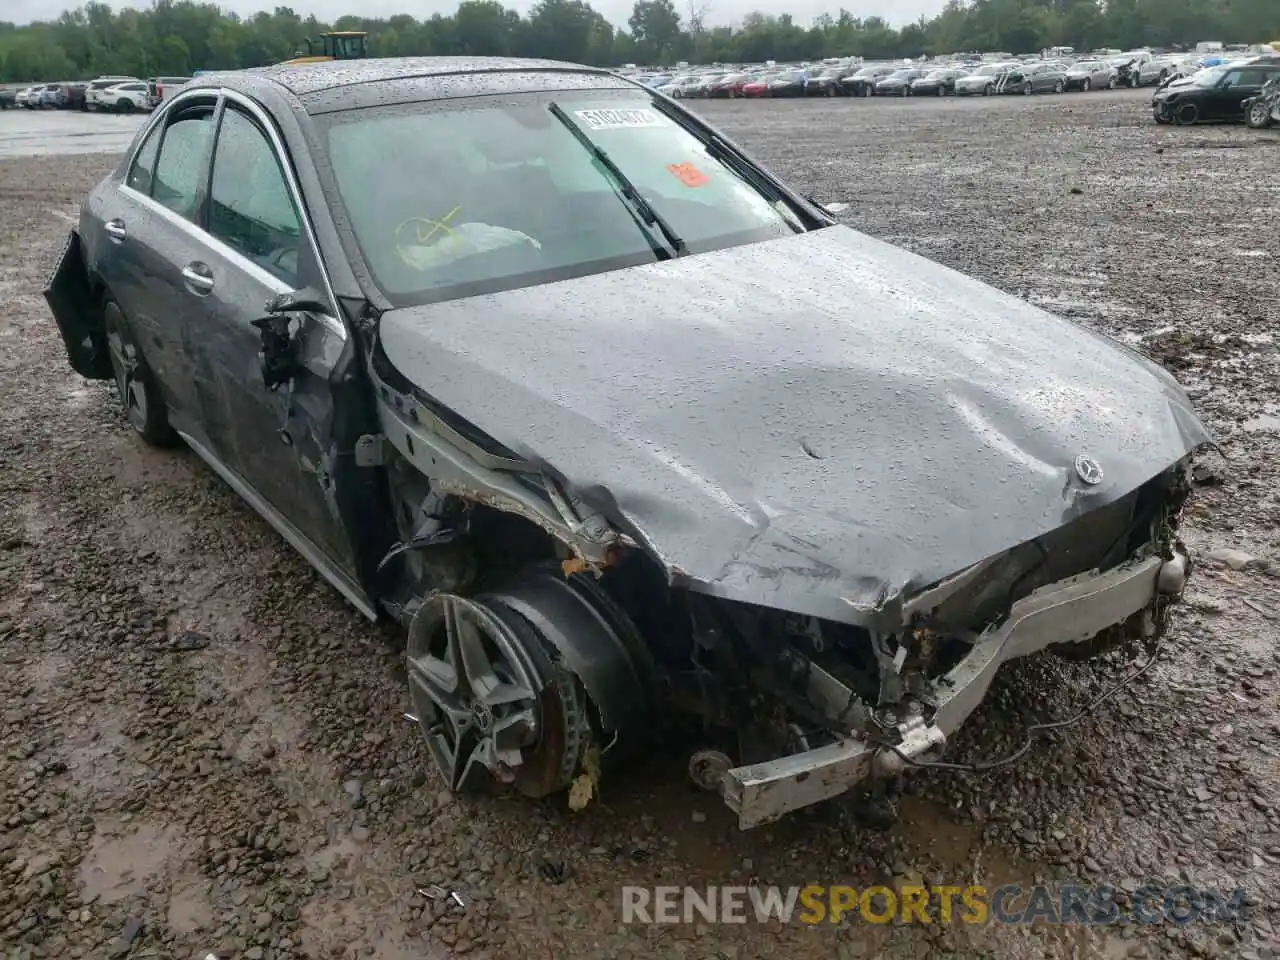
201 745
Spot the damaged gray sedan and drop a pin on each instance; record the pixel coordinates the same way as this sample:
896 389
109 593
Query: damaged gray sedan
639 444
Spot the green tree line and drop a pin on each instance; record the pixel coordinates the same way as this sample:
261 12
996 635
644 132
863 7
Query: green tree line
175 37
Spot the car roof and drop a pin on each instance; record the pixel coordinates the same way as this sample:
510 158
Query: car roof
438 77
337 86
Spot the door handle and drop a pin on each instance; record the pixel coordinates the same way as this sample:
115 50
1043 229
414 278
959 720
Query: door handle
115 230
198 277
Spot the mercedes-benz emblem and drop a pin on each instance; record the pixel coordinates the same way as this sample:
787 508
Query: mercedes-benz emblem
1088 470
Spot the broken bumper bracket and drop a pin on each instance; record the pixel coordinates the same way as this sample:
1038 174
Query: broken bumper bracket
1068 611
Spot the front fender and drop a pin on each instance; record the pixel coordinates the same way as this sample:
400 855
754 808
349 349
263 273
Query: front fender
74 305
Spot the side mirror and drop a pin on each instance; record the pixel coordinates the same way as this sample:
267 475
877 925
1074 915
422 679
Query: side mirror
279 354
278 357
297 301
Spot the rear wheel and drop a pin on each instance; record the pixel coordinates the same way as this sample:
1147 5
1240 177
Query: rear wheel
1059 87
1028 89
124 105
987 90
1084 86
144 407
1259 116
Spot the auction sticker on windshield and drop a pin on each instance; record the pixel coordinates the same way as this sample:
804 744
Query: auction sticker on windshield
616 119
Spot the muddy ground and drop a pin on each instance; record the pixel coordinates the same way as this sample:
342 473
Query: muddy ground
260 796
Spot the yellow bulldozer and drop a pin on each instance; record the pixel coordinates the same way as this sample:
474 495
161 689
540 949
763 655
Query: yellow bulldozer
335 45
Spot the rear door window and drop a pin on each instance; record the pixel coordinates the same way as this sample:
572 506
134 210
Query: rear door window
183 162
144 164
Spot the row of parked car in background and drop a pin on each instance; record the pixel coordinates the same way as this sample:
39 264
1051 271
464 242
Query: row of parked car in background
105 94
963 75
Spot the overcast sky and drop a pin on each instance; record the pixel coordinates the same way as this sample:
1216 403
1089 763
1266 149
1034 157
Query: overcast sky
897 12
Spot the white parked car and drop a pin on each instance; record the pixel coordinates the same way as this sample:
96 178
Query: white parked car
93 93
22 97
678 87
134 95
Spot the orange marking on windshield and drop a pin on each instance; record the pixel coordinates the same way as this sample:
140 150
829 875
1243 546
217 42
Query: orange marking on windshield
688 174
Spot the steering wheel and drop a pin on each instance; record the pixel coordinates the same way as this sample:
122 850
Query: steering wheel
425 229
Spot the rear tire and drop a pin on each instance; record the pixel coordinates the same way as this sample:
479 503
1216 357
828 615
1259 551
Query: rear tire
1028 89
144 407
1059 87
124 105
1084 87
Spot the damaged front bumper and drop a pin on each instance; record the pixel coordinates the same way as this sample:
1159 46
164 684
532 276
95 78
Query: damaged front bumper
1065 612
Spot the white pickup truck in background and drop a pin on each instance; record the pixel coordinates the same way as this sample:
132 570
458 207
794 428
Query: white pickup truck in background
161 89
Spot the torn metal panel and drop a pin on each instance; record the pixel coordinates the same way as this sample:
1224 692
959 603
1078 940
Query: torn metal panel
825 423
418 437
72 302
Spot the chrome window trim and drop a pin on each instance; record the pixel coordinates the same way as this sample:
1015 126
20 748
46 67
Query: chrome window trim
266 277
221 96
158 116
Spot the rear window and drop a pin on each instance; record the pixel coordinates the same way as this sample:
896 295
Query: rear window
514 198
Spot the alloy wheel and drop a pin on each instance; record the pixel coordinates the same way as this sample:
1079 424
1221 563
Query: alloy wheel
490 702
124 364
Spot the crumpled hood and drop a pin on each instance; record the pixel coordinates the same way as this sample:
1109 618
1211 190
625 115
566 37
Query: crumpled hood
817 423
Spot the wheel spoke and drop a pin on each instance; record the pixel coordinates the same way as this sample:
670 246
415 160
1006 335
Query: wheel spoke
505 693
472 760
435 679
512 733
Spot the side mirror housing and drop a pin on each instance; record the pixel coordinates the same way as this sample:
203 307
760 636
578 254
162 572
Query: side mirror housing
296 301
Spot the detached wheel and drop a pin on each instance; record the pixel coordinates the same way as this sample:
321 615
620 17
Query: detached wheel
1187 115
143 405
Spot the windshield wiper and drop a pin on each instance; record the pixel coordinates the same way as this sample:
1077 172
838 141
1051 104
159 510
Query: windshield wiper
639 208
